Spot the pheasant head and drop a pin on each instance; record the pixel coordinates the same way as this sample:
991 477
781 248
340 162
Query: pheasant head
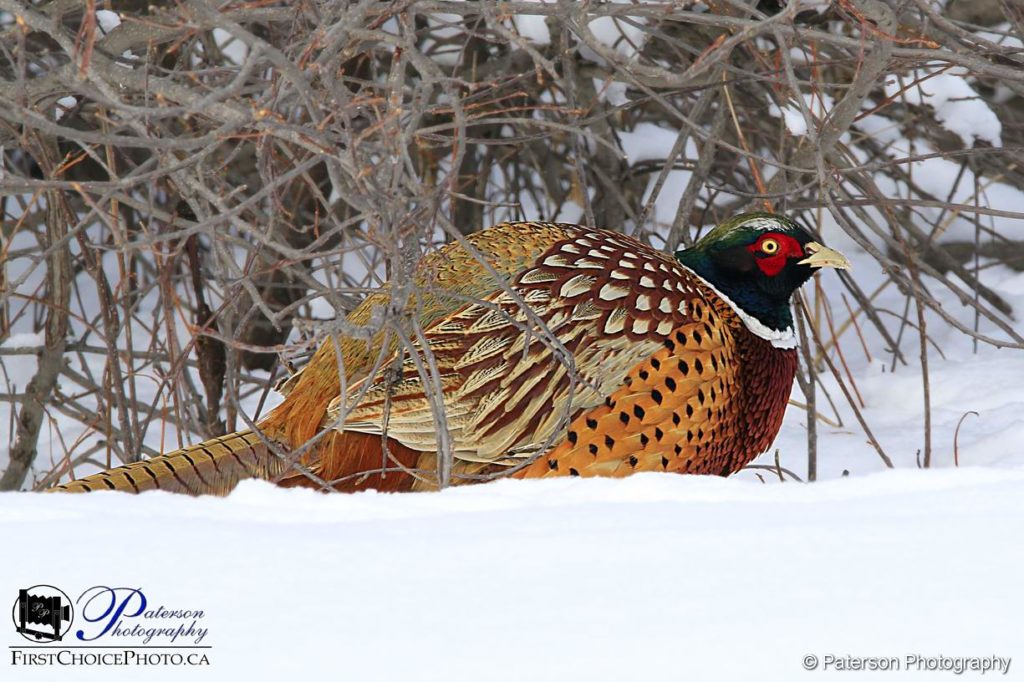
756 261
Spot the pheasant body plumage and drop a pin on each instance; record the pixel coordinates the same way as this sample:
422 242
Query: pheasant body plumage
582 349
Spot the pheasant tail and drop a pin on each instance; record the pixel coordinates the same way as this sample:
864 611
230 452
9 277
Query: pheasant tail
212 467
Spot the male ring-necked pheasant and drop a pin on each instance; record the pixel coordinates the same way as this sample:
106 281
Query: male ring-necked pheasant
588 351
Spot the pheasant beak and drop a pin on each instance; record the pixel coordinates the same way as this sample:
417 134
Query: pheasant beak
819 256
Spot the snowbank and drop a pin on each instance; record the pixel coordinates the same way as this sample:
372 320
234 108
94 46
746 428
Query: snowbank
649 578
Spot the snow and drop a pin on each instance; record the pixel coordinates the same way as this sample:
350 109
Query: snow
818 104
958 107
233 49
613 92
794 119
939 177
107 20
626 37
443 27
649 141
818 6
533 27
64 105
127 58
27 339
1001 34
652 577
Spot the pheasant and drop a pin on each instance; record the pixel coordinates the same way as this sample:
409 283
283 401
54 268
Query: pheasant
555 349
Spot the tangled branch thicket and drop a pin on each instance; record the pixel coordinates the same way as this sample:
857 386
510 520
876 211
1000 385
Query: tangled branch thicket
195 192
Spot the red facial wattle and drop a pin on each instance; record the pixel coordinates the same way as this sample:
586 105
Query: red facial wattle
772 259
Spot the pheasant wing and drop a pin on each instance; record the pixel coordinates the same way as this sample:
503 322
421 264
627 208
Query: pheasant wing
575 328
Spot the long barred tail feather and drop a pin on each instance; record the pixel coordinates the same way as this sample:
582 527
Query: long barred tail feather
213 467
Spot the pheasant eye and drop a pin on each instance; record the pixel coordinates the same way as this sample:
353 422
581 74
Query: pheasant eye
770 246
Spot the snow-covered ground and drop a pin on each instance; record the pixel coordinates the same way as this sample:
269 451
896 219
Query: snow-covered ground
649 578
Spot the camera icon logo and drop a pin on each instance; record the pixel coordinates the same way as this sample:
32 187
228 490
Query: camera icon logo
43 613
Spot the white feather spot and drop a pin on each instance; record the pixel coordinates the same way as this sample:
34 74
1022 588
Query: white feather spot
537 276
665 306
449 327
489 321
610 243
574 286
664 327
643 302
557 261
610 292
537 296
586 310
616 321
641 326
619 274
486 347
646 282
